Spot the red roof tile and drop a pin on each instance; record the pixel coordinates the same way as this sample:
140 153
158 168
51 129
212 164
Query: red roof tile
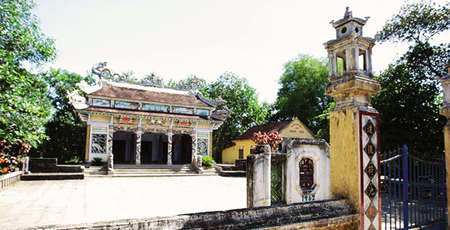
144 113
124 93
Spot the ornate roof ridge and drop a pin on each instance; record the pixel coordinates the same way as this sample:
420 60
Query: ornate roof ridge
148 88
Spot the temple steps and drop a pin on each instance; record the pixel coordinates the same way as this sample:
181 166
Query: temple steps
231 171
122 170
52 176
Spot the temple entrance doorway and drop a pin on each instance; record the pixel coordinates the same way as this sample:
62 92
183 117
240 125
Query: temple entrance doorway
182 149
124 147
154 148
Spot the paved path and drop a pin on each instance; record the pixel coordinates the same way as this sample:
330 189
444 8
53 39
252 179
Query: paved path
35 203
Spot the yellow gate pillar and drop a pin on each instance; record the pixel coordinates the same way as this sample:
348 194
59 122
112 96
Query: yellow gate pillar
354 133
445 111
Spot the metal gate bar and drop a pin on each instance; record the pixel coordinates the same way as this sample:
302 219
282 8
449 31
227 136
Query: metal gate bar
413 191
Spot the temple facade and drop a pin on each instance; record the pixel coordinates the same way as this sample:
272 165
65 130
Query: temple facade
136 124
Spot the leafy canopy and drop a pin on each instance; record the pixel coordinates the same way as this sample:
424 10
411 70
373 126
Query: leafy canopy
24 106
65 130
409 100
242 101
417 22
192 82
409 111
302 93
20 36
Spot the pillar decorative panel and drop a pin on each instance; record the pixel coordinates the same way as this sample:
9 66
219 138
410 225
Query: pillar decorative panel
194 144
169 146
370 171
138 146
110 148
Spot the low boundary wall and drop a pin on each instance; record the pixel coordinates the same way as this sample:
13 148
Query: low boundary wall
9 179
327 214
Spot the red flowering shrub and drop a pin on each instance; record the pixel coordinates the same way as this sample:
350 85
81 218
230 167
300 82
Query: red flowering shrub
11 156
273 139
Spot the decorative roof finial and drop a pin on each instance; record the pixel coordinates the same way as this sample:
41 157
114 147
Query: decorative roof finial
348 13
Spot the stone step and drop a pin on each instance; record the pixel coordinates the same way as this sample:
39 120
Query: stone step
152 171
152 166
160 175
232 173
52 176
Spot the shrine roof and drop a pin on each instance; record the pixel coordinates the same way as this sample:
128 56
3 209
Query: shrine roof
146 113
266 128
150 94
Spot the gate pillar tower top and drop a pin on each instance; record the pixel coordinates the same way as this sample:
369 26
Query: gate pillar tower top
350 63
354 124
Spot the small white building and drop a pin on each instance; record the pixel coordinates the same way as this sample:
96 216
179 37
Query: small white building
299 173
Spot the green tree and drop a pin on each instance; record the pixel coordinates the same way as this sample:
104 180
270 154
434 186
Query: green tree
408 111
409 100
24 106
66 132
245 111
20 36
302 94
192 82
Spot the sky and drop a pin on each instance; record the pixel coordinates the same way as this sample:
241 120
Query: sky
177 38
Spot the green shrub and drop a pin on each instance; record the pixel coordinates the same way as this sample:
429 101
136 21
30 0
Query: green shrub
74 160
97 161
208 161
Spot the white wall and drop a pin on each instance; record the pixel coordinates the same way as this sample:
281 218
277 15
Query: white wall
319 155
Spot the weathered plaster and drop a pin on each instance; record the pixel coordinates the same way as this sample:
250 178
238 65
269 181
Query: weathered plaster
344 156
258 179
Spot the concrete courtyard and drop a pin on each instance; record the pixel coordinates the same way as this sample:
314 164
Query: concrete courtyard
36 203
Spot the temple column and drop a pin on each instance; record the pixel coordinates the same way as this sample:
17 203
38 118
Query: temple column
138 146
369 61
330 65
194 145
445 111
366 61
169 145
348 63
355 57
88 142
335 64
110 148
